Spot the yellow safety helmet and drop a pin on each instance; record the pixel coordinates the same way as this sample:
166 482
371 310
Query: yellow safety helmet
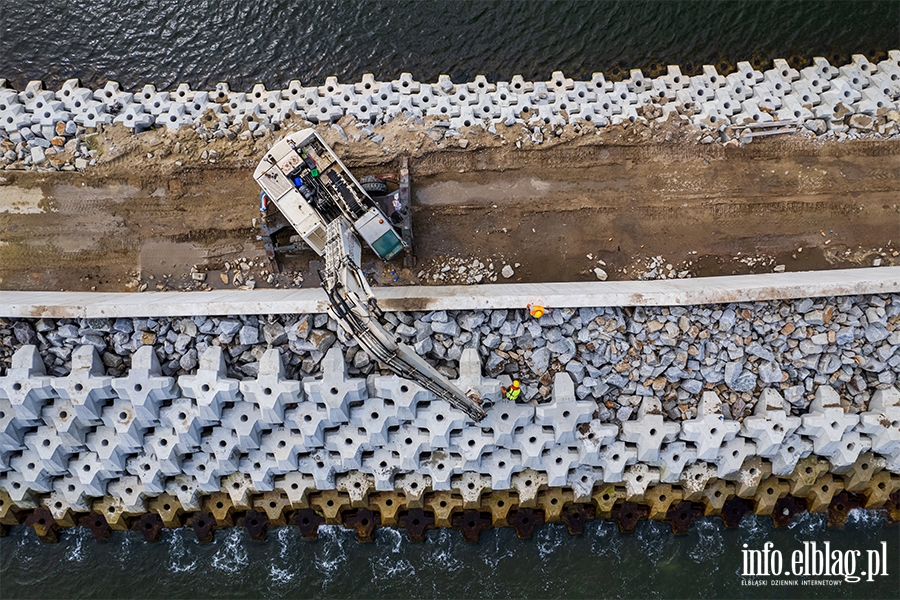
515 383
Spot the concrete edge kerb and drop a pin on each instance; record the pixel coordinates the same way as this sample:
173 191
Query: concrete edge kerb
676 292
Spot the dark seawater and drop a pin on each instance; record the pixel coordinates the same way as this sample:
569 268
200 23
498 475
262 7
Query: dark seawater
602 563
166 42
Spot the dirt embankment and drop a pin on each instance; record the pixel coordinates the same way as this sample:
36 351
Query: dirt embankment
634 201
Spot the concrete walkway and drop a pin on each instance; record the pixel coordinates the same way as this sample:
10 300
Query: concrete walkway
676 292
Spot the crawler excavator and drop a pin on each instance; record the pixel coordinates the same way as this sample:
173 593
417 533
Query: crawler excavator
331 211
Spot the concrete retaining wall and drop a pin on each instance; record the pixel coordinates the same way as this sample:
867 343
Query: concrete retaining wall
675 292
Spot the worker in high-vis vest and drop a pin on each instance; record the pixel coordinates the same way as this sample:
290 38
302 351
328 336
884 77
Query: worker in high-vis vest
511 393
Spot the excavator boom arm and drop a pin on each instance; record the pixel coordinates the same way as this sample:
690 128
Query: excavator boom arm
353 305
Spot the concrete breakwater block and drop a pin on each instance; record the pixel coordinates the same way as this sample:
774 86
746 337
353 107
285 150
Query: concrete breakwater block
860 98
73 443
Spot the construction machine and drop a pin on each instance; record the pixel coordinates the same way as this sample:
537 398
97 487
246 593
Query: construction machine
331 211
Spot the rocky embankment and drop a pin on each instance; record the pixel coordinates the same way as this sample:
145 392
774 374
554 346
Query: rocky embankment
267 447
616 356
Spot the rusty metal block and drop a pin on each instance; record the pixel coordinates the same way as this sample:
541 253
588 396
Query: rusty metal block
627 515
274 504
442 505
499 503
308 521
472 522
715 496
576 517
220 506
605 497
44 525
682 514
734 509
364 522
96 522
169 510
524 520
786 508
203 524
767 495
660 498
388 505
256 523
840 507
806 474
879 489
552 501
330 504
150 526
416 522
819 496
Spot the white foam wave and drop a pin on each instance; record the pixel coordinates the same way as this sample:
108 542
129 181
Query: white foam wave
28 541
710 542
232 556
126 545
549 538
443 544
180 558
806 525
77 548
330 553
865 519
287 539
384 567
392 538
279 576
755 528
498 553
655 539
604 538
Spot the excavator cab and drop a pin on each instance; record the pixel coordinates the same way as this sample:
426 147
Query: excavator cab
303 177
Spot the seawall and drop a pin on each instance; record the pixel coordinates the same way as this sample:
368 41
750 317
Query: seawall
668 412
